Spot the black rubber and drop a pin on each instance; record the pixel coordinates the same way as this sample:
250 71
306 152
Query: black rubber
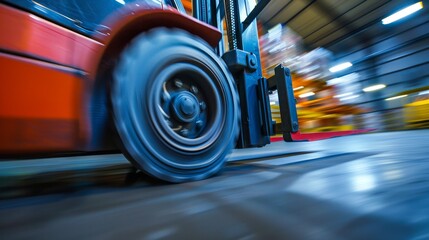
175 106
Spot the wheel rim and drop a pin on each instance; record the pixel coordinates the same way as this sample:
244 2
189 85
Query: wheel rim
186 106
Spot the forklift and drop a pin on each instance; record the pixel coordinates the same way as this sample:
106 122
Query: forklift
141 77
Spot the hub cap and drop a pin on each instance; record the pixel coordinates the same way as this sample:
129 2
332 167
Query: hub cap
185 107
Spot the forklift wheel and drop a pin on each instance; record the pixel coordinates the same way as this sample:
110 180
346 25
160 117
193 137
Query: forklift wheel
175 106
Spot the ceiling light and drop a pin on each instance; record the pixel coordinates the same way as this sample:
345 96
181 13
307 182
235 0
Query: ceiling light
349 97
393 98
347 79
402 13
374 88
272 103
343 95
308 94
340 67
424 92
120 1
298 88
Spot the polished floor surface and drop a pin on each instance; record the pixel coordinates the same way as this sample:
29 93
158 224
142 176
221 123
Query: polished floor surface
371 186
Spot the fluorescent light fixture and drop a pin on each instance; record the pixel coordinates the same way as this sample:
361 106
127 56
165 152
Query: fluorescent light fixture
403 13
347 79
374 88
298 88
308 94
272 103
396 97
424 92
343 95
349 97
340 67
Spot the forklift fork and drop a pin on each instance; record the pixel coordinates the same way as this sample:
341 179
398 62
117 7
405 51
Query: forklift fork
282 81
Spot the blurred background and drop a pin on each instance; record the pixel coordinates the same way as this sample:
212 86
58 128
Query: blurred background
353 67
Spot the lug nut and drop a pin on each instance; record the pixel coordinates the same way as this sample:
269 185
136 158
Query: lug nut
199 124
178 83
203 106
194 89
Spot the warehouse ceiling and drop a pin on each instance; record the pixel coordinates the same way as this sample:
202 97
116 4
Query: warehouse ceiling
328 23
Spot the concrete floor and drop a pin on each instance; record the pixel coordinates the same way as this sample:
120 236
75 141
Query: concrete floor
372 186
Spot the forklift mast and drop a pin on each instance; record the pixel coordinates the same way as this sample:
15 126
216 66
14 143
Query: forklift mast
244 62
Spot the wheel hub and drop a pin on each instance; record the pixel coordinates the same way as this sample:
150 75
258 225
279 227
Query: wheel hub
185 107
188 111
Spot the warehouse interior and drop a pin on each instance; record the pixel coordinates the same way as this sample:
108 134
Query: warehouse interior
392 55
358 171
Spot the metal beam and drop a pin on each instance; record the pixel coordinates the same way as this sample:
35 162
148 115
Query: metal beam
254 13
